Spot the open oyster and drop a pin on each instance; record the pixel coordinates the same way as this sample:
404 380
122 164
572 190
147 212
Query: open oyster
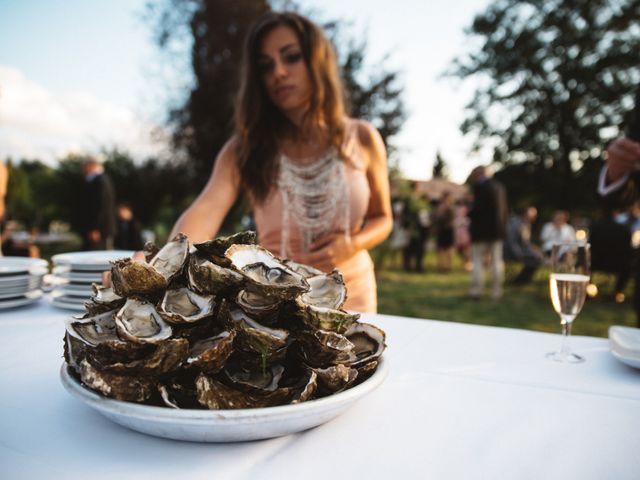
322 349
368 343
181 305
207 277
327 291
306 271
138 321
266 273
120 387
171 258
257 305
211 354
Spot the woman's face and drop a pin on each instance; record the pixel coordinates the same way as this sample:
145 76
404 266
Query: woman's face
284 72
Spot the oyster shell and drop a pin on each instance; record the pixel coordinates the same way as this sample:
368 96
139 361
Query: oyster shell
335 378
207 277
167 357
255 337
104 299
308 391
327 291
133 278
171 258
266 273
218 246
319 348
258 382
211 354
181 305
120 387
257 305
368 343
306 271
329 319
215 395
139 322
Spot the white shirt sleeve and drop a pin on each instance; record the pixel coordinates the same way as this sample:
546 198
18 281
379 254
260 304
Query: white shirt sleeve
603 188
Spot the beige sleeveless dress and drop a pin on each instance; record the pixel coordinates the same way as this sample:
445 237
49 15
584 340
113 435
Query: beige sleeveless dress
314 198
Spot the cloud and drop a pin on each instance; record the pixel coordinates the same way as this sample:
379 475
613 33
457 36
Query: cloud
36 123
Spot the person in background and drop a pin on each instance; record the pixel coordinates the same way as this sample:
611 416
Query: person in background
519 247
98 207
128 235
556 231
461 237
619 182
443 223
316 179
611 250
417 221
488 221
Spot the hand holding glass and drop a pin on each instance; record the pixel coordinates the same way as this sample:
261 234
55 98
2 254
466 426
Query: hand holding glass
570 266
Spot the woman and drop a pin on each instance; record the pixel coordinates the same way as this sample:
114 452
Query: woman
316 179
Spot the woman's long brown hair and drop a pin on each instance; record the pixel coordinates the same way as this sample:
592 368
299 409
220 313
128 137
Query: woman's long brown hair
258 121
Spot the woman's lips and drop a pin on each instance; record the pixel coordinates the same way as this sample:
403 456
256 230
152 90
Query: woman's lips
284 90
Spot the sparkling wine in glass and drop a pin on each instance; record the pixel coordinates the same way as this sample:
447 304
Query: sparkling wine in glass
570 265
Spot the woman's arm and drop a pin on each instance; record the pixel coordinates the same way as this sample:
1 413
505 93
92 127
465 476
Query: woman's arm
378 221
202 220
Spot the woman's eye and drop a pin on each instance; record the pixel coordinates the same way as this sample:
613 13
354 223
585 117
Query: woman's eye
291 58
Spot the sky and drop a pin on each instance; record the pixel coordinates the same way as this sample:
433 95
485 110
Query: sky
82 75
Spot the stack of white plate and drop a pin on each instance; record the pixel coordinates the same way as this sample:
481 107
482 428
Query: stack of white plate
20 281
76 271
625 344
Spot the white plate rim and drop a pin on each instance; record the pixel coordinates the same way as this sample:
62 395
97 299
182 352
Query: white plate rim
34 296
246 415
90 260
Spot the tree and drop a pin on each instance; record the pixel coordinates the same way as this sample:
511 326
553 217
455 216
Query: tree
217 29
555 76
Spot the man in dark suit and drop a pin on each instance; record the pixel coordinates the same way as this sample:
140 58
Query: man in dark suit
98 207
488 215
619 183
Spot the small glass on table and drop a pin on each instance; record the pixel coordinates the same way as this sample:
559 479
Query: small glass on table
570 269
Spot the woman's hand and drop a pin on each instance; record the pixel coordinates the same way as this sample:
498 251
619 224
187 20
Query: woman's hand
623 156
106 276
334 249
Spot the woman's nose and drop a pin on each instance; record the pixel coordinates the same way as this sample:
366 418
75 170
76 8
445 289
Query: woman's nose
279 69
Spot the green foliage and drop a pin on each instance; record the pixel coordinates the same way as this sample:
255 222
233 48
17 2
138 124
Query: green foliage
553 76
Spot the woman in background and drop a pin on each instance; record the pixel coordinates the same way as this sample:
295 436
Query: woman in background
316 179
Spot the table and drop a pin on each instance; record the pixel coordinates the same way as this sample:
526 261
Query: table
461 401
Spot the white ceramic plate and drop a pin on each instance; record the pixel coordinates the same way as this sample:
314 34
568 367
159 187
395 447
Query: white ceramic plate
13 265
27 299
15 294
223 425
624 343
82 277
94 260
65 303
77 289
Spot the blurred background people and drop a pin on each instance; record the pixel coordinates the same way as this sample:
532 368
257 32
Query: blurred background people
556 231
488 221
619 182
443 219
98 207
128 234
4 181
461 237
611 249
519 247
416 220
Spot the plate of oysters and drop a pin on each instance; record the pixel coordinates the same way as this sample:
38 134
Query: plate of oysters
220 342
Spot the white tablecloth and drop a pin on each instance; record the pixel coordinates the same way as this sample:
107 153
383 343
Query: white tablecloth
460 401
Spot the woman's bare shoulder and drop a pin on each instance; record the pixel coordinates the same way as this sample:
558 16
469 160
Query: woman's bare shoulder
368 135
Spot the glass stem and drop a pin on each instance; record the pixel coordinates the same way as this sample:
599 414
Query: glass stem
567 321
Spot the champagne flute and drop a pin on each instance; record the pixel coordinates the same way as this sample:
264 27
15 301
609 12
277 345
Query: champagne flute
570 265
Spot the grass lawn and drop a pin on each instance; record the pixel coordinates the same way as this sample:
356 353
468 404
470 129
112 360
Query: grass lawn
441 296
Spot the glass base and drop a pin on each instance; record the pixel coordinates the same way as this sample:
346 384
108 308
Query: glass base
565 357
